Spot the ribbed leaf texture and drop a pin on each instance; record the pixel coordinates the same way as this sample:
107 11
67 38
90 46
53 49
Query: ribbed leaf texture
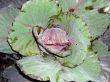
7 16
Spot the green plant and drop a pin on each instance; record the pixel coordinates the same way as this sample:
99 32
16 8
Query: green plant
75 58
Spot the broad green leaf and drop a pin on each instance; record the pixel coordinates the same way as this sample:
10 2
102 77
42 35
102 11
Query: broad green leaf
100 48
96 22
40 68
87 71
7 16
48 68
90 12
34 13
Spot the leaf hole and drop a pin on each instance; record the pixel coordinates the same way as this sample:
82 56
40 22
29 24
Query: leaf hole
71 10
95 52
93 1
102 10
12 30
89 8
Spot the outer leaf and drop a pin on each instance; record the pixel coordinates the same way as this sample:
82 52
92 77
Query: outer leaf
83 73
100 48
90 12
49 69
33 13
96 22
40 68
7 16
